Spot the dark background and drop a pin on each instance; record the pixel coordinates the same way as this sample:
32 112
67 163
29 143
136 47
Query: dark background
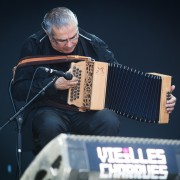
142 34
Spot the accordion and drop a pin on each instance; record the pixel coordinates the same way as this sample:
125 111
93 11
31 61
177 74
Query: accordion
124 90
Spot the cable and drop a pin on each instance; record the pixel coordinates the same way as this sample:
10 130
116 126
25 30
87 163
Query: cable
15 110
31 84
18 168
11 98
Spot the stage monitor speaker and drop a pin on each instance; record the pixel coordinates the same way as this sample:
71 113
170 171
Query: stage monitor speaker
75 157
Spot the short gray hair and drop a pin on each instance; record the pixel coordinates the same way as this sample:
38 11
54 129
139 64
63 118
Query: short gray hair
59 17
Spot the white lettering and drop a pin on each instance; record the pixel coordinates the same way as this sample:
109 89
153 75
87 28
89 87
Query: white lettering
117 162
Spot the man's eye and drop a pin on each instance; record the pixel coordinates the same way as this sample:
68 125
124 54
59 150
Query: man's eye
73 37
61 40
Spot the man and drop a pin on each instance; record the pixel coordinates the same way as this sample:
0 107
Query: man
50 115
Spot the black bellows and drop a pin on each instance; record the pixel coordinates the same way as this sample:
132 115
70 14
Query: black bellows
133 94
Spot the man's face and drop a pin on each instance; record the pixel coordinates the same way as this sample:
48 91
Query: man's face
64 39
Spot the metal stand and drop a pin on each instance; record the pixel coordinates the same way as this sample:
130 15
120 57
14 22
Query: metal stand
19 119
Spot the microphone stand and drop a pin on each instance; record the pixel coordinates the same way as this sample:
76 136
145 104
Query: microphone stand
19 120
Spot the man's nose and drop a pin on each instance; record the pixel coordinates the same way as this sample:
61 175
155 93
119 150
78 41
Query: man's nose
69 43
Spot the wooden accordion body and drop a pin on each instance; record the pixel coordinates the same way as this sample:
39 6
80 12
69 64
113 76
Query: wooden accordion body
126 91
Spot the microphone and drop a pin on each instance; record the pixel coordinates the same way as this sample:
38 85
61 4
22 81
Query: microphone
66 75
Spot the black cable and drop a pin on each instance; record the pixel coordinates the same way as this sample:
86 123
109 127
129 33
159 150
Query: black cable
31 84
11 98
15 111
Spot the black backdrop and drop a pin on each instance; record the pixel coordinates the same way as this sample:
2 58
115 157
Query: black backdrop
142 34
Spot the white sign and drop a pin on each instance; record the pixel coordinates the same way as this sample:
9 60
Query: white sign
117 162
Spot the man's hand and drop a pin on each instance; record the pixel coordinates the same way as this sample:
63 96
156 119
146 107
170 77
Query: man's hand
61 83
171 101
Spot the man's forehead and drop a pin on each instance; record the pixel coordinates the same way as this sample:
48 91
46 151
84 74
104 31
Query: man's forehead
64 31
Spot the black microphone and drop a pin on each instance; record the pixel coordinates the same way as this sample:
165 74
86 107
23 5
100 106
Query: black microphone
66 75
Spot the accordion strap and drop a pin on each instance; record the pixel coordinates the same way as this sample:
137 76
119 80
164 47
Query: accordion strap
39 60
51 59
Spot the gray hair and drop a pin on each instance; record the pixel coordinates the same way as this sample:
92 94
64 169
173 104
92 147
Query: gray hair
59 17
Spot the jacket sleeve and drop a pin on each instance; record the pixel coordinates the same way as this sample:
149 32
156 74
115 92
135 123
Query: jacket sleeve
29 48
103 51
30 79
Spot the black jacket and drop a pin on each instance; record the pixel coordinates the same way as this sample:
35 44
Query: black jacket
39 45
